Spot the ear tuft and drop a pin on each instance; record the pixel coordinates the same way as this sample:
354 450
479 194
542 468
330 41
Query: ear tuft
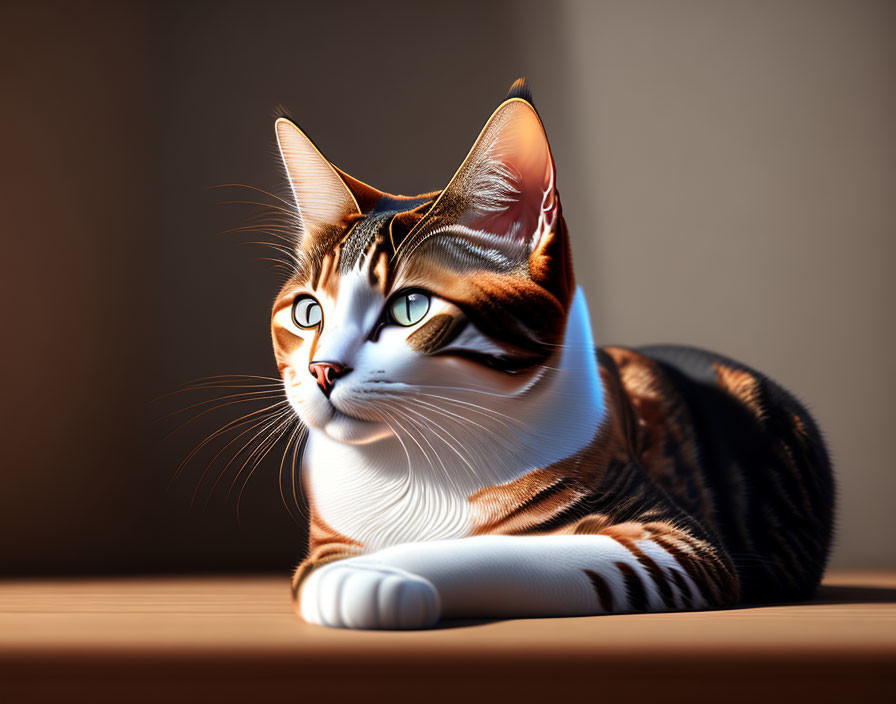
280 110
520 89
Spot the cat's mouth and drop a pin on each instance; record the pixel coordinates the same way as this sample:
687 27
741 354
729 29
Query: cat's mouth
343 415
344 426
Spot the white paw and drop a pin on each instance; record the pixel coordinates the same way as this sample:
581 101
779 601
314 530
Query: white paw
355 594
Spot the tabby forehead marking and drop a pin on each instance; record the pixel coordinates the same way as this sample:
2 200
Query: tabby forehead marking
368 241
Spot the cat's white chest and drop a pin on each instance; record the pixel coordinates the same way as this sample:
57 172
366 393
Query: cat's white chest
379 504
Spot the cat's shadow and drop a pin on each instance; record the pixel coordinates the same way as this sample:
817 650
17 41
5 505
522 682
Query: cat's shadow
466 623
827 596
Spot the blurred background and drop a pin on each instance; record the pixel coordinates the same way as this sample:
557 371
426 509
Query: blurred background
727 171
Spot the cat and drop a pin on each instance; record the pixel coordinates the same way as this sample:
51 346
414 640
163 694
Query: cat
471 454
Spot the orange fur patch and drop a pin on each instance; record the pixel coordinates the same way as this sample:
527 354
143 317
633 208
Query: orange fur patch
740 384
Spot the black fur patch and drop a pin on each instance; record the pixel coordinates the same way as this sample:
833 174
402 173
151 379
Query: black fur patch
520 89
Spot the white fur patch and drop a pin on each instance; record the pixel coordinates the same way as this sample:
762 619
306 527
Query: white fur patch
458 430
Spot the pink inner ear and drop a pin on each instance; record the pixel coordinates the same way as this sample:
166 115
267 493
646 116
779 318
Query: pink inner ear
522 218
520 169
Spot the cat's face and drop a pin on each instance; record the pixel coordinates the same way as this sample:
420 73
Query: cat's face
399 302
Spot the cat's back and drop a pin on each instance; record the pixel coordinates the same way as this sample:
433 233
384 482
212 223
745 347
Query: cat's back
738 452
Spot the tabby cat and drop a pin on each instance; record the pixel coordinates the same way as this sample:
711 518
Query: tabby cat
470 453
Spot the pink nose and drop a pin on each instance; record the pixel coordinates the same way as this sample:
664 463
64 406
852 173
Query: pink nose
326 374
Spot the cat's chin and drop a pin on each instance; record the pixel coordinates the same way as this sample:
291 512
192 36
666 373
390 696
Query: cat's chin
325 417
352 431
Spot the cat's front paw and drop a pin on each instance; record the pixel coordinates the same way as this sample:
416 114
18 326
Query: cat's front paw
357 594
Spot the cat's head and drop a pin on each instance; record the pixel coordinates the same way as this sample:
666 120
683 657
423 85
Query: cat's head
397 298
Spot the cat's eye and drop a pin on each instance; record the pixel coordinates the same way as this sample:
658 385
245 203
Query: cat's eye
409 308
306 312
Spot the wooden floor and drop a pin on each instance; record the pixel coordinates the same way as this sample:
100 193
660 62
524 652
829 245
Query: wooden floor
236 639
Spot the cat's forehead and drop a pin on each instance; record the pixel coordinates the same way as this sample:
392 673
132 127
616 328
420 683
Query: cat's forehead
366 249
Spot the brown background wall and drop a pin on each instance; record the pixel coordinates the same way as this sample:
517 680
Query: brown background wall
727 170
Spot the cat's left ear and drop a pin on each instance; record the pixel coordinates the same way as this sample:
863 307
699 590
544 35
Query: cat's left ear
323 200
505 187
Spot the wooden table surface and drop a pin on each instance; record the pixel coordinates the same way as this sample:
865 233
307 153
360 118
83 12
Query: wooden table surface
236 639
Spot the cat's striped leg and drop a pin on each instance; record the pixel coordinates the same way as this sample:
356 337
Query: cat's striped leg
651 568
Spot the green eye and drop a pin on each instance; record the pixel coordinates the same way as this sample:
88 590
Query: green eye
409 308
306 312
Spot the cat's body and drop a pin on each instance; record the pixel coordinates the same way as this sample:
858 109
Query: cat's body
470 453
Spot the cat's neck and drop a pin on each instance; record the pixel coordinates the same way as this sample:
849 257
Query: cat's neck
417 488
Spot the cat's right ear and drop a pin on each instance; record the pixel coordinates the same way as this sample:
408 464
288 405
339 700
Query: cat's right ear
322 198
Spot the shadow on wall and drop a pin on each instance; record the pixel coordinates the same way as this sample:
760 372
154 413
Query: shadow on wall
123 118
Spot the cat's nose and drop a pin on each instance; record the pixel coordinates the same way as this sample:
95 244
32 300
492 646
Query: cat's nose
326 374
